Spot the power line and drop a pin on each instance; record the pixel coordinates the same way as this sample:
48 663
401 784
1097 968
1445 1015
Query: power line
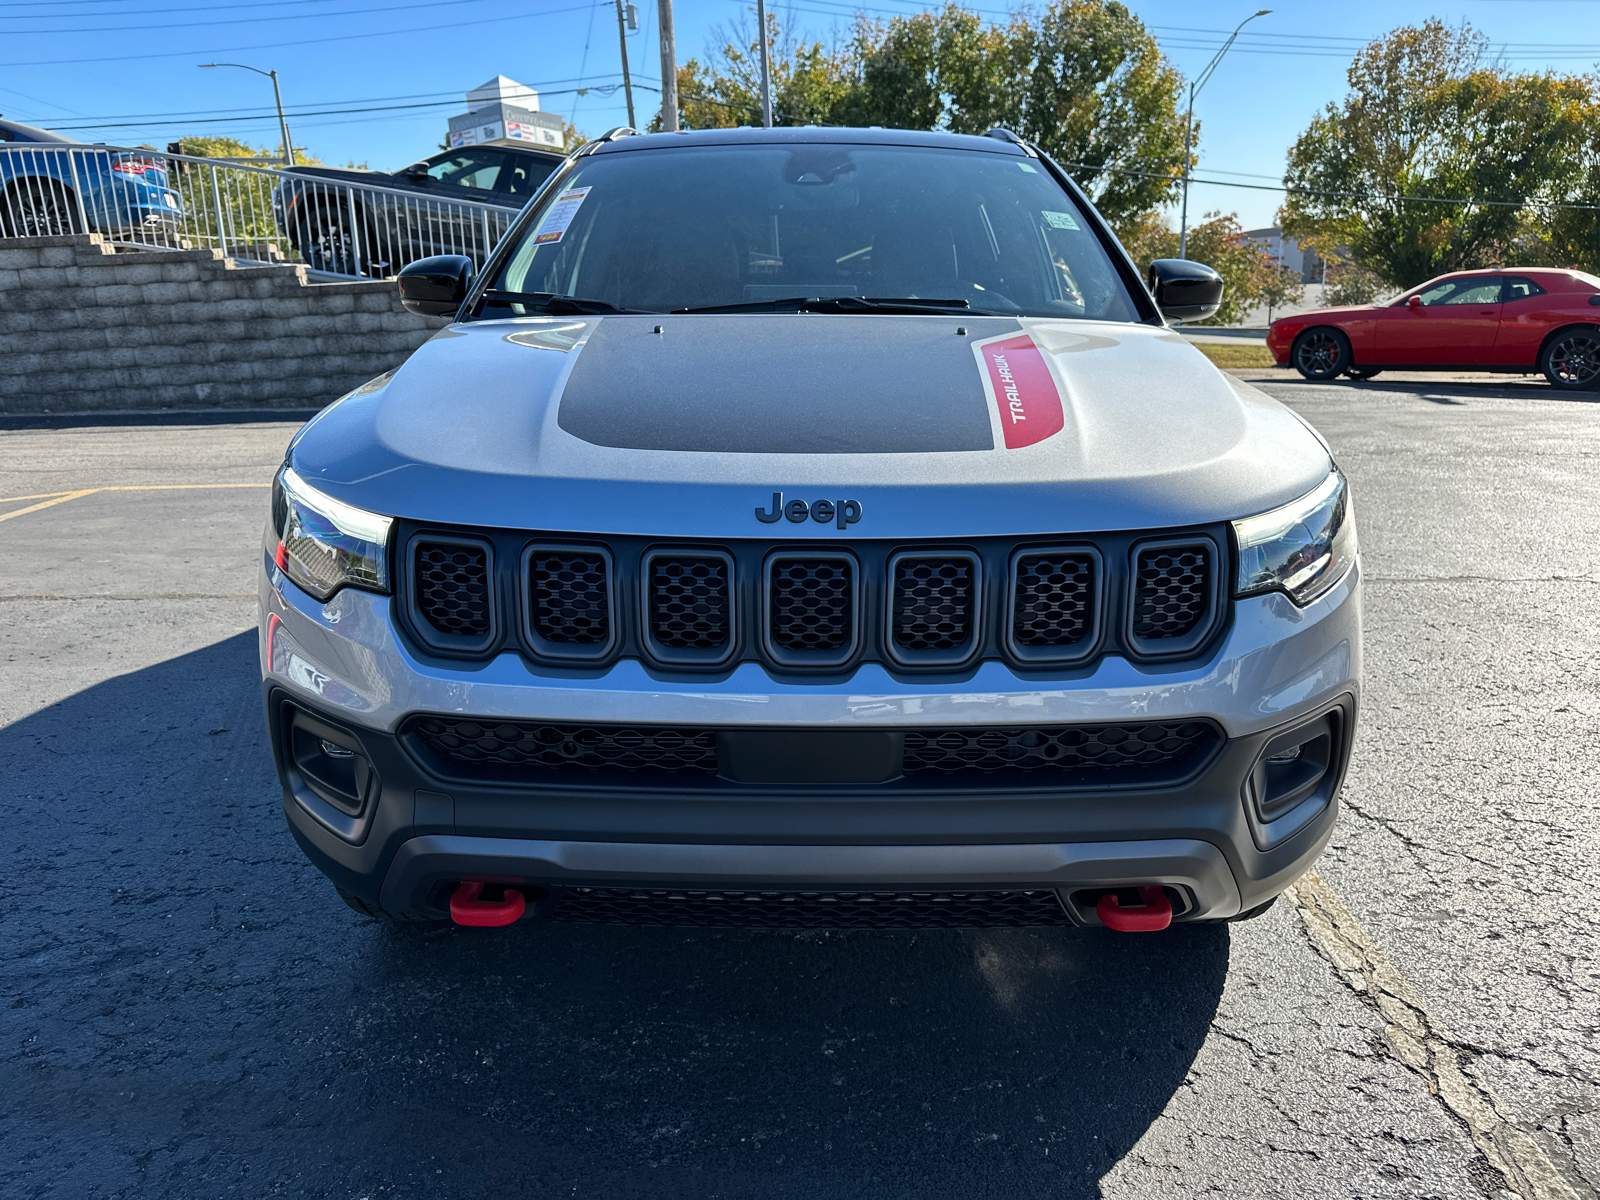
298 42
1299 191
308 16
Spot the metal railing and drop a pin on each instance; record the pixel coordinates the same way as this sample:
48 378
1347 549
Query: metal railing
143 199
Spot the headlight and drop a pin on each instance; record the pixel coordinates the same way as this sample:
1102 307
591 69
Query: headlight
324 544
1303 548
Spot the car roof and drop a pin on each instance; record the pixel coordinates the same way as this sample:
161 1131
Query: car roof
27 133
746 135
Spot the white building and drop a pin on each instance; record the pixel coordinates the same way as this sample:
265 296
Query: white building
1286 252
504 110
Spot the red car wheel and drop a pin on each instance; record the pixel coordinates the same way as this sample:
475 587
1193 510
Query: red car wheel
1321 354
1571 359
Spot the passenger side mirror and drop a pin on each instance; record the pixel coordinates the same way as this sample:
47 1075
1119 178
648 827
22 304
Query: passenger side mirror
1184 290
1414 302
435 287
416 172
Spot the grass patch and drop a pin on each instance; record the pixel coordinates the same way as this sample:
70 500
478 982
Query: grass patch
1246 354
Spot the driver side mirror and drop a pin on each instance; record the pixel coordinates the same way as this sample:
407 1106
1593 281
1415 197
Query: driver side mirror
417 173
1184 290
435 287
1414 302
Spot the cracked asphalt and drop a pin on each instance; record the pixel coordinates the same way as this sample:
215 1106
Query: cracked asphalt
186 1009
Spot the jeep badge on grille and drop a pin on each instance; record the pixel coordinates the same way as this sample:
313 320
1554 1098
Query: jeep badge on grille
841 512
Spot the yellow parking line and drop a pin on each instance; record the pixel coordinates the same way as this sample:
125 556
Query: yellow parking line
143 487
22 512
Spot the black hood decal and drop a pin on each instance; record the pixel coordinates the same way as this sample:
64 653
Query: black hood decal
782 384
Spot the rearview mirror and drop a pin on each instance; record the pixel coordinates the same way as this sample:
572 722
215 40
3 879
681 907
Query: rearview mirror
435 287
1184 290
1414 302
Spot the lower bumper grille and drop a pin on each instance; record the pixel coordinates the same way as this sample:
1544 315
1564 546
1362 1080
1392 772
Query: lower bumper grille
1148 754
809 910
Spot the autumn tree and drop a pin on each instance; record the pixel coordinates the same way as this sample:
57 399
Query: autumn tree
1437 161
1083 79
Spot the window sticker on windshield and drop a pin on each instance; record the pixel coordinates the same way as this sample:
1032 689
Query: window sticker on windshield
1059 220
1029 168
559 215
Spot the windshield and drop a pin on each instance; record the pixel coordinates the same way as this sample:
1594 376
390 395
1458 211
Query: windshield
752 226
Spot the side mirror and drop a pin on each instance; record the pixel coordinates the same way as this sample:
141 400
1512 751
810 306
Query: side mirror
416 172
435 287
1184 290
1414 302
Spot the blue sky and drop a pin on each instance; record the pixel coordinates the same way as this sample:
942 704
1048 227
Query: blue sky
126 70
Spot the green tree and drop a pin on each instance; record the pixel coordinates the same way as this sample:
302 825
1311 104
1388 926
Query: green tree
1083 79
1280 286
1426 120
1219 242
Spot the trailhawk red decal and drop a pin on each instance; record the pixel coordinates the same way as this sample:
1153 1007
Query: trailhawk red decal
1024 391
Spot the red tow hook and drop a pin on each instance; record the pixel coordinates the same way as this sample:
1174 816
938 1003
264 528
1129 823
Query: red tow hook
467 909
1154 911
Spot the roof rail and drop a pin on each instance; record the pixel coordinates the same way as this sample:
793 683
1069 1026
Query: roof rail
621 131
1002 134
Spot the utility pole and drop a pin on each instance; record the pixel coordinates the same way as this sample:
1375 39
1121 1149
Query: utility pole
1200 81
283 125
627 80
766 67
669 70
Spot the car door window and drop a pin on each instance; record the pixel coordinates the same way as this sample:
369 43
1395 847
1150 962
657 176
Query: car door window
1475 291
524 173
475 169
1519 287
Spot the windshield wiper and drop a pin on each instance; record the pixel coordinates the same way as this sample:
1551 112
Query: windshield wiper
840 304
551 302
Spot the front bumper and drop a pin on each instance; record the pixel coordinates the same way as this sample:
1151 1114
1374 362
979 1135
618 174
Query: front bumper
1278 668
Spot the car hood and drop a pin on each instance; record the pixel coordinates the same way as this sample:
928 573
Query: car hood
934 426
1322 314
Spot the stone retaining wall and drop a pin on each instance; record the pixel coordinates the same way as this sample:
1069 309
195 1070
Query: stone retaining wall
85 329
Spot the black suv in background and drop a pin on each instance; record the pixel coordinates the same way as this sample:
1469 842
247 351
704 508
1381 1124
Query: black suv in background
363 223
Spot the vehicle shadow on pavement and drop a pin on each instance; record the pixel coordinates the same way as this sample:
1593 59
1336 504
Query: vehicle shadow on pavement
187 1009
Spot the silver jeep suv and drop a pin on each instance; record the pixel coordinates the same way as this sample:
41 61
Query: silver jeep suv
810 527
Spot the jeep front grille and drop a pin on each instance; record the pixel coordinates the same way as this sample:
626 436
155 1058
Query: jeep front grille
569 597
811 606
690 599
452 581
1170 590
934 602
1053 600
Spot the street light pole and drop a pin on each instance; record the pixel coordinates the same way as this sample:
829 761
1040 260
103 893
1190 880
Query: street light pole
766 67
1188 127
277 96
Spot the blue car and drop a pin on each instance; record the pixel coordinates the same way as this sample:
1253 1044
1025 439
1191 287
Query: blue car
50 184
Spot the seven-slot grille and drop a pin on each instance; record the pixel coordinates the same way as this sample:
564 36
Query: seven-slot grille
690 599
570 596
453 587
934 603
930 609
811 609
1170 590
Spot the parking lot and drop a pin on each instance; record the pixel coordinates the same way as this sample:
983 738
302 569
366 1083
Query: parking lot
188 1010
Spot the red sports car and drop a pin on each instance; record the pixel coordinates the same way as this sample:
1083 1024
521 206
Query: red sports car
1519 321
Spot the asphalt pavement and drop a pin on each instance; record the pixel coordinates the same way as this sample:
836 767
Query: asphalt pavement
186 1009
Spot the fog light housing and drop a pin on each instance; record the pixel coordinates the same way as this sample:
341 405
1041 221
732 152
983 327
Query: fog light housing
1293 779
329 773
